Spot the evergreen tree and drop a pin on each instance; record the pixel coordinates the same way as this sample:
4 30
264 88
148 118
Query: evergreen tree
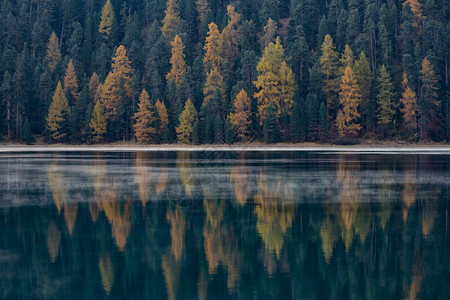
25 135
98 123
270 124
214 81
312 117
177 61
187 119
298 123
409 106
429 103
53 52
240 118
144 128
385 97
58 114
347 120
6 91
364 79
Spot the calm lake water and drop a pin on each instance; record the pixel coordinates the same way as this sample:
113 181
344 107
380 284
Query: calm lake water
204 225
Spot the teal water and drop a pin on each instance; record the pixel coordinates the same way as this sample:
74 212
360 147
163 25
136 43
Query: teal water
205 225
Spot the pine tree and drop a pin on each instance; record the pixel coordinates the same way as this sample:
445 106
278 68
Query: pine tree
429 103
201 6
71 81
171 19
270 125
163 121
385 97
330 70
58 114
177 61
25 135
409 105
107 20
240 118
98 123
53 52
94 82
349 99
186 120
7 96
312 116
416 8
144 129
275 81
364 79
213 48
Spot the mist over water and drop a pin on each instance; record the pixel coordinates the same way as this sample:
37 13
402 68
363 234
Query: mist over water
224 225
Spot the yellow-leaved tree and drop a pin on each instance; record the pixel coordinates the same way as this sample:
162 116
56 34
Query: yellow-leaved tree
230 35
329 62
409 105
177 61
213 48
275 81
171 19
214 81
71 81
240 117
53 52
163 119
349 99
144 128
107 20
187 120
58 115
98 123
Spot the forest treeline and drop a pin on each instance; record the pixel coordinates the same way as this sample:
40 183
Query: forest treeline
198 71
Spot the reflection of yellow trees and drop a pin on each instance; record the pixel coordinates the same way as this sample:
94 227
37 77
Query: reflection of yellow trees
58 185
98 175
239 177
408 193
53 241
177 231
106 272
118 215
202 285
386 196
184 164
220 242
329 237
142 177
162 180
171 271
274 215
416 282
70 215
429 212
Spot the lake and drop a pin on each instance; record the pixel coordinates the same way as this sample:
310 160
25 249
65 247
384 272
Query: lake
213 225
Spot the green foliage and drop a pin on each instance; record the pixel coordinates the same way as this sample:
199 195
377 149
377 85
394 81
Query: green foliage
25 135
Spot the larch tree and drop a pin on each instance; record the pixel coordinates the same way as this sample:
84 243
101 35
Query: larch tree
71 81
429 103
213 48
347 59
409 105
270 31
58 114
53 52
275 81
186 120
385 97
171 19
240 118
94 82
329 62
177 61
144 128
163 121
347 120
117 81
201 6
98 123
230 35
107 20
416 8
214 81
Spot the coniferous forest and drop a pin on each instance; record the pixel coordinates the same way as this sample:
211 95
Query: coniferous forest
200 72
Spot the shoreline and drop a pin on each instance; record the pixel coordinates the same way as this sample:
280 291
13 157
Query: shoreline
305 147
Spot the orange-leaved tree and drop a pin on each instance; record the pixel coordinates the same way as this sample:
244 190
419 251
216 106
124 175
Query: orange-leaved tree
144 128
349 99
240 117
177 61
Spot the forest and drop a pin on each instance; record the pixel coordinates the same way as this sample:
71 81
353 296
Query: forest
202 72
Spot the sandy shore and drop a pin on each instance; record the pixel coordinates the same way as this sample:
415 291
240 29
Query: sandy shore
259 147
